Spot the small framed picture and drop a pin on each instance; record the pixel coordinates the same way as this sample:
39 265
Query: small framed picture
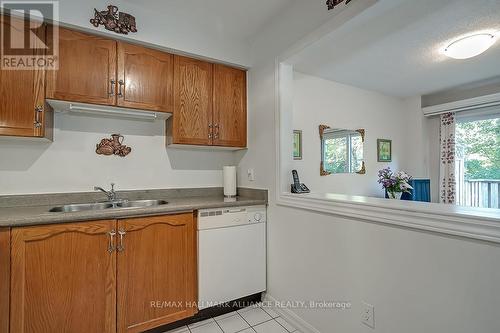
384 150
297 145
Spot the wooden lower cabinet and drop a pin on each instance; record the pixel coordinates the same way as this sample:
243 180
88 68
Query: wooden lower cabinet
156 272
103 276
4 279
63 279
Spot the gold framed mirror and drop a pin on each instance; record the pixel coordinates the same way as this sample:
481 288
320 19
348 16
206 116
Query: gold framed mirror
342 151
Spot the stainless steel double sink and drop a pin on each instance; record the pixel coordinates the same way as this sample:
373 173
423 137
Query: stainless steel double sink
122 204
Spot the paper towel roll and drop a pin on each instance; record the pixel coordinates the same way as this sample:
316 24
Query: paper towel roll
229 181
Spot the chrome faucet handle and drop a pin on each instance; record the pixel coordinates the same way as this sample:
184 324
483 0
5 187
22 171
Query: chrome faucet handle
112 193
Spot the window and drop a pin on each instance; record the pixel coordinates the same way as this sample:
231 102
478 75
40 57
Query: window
478 161
342 151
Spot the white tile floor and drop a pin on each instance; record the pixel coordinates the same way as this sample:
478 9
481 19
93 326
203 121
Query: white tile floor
254 319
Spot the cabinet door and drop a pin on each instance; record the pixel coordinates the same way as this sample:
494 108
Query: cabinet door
4 279
21 91
156 271
230 107
192 117
63 278
87 69
145 78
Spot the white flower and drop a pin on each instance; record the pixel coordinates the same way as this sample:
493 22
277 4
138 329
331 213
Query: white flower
403 176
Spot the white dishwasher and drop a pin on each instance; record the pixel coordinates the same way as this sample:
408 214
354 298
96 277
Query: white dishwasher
231 254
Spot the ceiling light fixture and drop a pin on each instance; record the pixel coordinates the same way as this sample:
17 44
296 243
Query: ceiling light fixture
470 46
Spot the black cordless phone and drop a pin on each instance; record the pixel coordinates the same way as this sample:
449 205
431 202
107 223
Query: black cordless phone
297 187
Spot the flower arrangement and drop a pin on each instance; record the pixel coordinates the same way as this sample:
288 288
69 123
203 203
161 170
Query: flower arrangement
395 184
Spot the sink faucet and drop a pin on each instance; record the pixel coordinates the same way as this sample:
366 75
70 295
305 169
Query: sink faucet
111 194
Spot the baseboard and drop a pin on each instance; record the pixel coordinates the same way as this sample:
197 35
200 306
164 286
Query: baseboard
290 316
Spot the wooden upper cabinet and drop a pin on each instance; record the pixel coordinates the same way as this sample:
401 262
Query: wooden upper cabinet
22 109
63 278
193 86
87 69
230 107
145 78
156 265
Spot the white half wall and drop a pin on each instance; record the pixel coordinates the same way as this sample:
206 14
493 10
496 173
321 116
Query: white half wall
417 281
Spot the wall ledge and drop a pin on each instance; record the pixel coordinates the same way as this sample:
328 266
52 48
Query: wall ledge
475 223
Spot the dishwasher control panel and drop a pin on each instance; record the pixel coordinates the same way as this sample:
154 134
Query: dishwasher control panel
256 214
230 217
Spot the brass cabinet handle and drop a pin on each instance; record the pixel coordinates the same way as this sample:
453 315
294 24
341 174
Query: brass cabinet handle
112 92
217 128
121 84
111 247
38 112
121 246
210 130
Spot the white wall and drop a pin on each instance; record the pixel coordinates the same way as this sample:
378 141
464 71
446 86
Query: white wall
423 158
70 163
418 281
318 101
173 28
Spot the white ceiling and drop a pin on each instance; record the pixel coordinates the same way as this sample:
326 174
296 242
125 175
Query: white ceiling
237 19
394 47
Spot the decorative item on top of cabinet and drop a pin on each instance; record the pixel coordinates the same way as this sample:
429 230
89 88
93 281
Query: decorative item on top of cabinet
230 107
119 22
193 86
145 78
332 3
113 146
87 69
23 111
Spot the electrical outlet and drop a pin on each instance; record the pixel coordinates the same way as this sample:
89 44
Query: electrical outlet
368 315
251 175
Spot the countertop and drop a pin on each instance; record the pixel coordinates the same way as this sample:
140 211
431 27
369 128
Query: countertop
26 215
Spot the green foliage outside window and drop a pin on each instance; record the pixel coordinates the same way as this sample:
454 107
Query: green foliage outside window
478 143
337 157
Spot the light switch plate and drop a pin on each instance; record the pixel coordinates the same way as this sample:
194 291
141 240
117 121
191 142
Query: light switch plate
368 315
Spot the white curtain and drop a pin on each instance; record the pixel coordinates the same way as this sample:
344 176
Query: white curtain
447 183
